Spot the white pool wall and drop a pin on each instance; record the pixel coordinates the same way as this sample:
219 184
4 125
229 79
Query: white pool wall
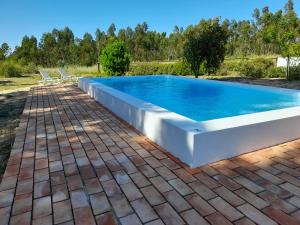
199 143
229 137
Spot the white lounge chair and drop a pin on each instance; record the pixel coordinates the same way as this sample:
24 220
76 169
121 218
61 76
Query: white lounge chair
47 79
64 76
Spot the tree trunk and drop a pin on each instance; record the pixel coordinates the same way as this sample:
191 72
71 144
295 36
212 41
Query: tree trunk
98 63
98 66
288 68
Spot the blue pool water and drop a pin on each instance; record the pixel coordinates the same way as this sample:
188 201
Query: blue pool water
203 100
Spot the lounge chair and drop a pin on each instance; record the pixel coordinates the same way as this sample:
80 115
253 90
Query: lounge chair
47 79
64 76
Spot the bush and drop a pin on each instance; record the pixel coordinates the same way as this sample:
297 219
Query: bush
256 68
115 59
295 73
144 68
223 71
30 69
263 63
231 65
275 72
10 69
180 68
251 70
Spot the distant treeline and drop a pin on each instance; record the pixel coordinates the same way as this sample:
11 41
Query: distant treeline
260 36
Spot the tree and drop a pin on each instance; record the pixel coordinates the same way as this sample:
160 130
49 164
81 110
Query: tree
111 30
115 58
65 44
28 52
205 45
174 44
122 35
2 56
268 33
289 35
48 50
129 41
4 51
87 53
280 31
140 45
100 40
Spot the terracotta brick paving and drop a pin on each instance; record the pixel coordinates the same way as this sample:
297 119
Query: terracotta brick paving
73 162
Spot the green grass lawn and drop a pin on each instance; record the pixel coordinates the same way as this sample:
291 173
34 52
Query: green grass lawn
26 81
18 83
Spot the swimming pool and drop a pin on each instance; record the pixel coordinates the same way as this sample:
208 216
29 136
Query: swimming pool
200 99
201 121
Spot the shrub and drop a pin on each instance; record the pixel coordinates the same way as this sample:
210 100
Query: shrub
180 68
250 70
295 73
263 63
256 68
275 72
232 65
229 67
223 71
144 68
115 59
10 69
29 69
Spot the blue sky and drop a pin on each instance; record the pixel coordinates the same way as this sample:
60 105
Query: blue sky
33 17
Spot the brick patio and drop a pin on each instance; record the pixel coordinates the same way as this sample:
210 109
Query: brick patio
73 162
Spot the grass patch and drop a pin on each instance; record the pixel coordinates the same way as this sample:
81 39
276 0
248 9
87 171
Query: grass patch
18 83
80 71
11 107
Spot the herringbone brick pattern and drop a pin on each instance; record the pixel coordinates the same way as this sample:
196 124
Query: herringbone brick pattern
73 162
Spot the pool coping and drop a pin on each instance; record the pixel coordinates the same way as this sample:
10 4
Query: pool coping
198 143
